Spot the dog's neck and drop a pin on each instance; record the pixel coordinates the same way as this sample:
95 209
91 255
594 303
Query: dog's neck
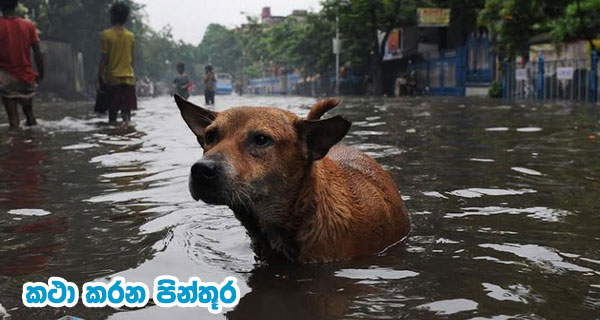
319 207
318 216
272 222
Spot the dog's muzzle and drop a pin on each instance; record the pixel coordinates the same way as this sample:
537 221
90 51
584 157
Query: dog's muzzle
206 180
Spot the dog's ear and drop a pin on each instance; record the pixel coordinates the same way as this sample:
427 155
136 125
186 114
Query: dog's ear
321 135
197 118
321 107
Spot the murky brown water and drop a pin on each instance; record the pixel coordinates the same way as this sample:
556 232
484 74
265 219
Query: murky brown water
503 200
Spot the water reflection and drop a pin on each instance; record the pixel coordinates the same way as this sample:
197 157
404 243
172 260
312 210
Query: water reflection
29 244
502 201
294 293
21 171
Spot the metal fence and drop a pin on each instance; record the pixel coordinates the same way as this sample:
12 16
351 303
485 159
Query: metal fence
449 72
315 85
274 85
443 75
565 79
480 61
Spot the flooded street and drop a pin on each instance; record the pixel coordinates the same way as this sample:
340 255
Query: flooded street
503 201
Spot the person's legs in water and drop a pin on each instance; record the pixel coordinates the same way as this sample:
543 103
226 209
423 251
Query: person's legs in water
113 112
11 110
27 105
126 115
211 97
112 116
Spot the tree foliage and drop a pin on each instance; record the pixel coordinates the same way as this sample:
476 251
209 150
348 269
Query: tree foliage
580 21
513 22
256 49
221 48
302 45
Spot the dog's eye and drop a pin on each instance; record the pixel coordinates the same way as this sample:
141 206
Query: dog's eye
210 137
261 140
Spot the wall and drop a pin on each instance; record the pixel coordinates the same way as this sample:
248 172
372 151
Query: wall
64 71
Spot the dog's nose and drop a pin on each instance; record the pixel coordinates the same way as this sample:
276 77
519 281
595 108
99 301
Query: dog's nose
205 169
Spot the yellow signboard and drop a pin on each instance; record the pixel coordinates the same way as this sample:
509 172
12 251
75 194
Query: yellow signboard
433 17
596 43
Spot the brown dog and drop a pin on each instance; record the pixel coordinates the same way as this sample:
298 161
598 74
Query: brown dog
297 194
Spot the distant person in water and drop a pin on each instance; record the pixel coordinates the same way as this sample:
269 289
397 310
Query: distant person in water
210 85
115 69
182 82
18 81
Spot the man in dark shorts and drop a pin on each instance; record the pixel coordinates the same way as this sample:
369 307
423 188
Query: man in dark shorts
18 81
182 82
210 85
116 65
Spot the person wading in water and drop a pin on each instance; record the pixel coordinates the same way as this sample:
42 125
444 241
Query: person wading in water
182 82
116 65
210 84
18 81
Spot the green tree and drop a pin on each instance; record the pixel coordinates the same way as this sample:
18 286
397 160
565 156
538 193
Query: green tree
254 43
580 21
302 45
221 48
294 45
312 48
513 22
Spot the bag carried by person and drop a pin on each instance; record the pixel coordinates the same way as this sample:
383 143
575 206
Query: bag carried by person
102 100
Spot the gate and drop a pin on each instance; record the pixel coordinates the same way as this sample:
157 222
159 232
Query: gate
444 75
480 61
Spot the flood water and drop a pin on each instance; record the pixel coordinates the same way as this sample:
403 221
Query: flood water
504 202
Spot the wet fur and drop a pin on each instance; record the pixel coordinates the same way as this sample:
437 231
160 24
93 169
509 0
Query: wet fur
293 203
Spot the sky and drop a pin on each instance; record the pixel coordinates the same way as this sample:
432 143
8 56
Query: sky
189 18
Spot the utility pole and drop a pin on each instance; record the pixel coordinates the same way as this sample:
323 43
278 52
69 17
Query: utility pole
336 50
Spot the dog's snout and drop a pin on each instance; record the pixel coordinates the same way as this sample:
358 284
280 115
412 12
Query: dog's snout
205 170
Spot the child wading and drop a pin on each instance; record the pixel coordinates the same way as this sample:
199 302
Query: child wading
210 84
116 65
182 82
18 81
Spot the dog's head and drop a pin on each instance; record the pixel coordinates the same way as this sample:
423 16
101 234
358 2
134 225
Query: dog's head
255 158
